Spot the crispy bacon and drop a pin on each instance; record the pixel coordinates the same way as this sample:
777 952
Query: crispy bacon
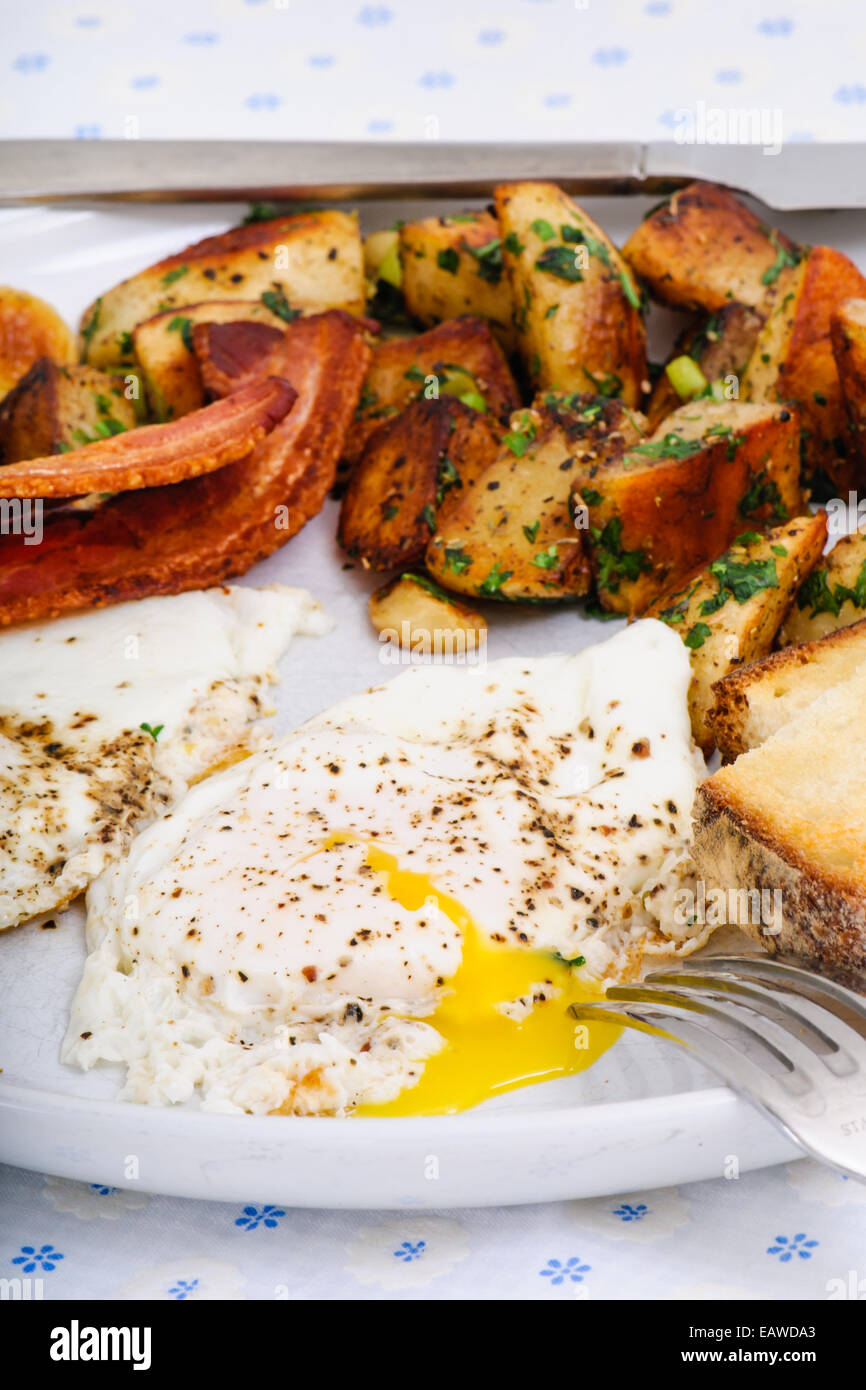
152 455
202 531
230 360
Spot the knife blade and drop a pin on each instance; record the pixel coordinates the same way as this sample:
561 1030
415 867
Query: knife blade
798 176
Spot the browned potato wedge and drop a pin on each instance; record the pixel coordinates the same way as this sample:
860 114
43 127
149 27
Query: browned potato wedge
54 409
453 266
730 612
415 615
661 509
793 361
512 535
411 467
460 358
720 346
163 351
833 595
848 336
29 329
703 248
306 263
577 306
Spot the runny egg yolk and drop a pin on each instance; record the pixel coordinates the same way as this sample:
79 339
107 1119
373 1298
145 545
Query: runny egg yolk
486 1052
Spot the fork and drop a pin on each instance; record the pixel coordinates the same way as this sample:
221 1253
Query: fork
800 1058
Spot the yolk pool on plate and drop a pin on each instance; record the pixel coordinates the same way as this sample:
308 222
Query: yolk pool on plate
485 1051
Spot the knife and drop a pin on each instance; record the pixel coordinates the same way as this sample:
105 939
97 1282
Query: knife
798 176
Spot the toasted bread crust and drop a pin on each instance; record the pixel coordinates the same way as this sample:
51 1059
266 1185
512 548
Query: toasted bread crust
822 922
727 719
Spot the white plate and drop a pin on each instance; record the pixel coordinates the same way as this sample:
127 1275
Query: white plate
645 1115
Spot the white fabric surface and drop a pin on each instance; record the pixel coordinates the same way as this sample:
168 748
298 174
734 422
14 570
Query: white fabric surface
533 69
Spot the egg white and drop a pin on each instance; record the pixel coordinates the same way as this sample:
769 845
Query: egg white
245 947
77 769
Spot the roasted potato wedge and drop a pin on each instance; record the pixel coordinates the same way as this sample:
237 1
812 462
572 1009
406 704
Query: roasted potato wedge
413 614
513 535
577 306
411 467
29 329
703 248
460 358
163 351
453 266
56 408
302 264
661 509
832 596
848 336
730 612
720 347
793 361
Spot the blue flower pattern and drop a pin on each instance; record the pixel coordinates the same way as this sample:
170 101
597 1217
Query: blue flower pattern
572 1271
627 1212
30 1259
407 1252
253 1217
786 1248
184 1288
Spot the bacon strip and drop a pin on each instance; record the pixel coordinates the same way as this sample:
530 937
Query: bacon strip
164 540
200 442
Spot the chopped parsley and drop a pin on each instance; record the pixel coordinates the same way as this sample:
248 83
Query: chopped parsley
153 731
494 580
817 595
610 385
543 229
613 563
424 582
428 515
697 636
276 301
446 477
739 580
591 497
489 258
448 259
519 439
601 251
183 326
125 343
259 212
513 245
763 492
171 275
456 559
389 510
548 559
530 532
89 328
672 446
559 261
784 260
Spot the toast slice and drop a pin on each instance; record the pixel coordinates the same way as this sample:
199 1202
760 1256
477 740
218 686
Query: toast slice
789 818
754 702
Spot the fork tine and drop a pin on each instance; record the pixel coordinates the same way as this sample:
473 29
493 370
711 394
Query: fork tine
721 1056
777 974
836 1039
786 1047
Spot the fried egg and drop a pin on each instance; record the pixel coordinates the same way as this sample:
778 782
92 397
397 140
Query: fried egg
392 907
108 715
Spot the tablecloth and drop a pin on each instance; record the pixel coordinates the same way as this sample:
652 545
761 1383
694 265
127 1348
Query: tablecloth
540 69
